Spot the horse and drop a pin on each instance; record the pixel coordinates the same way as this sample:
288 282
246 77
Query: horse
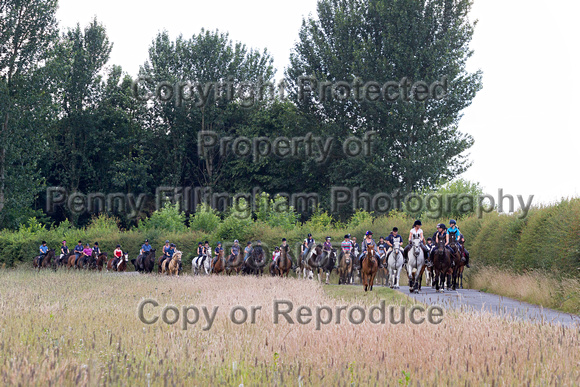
441 264
459 261
200 263
112 263
462 264
255 262
370 266
236 264
429 273
46 260
219 265
284 261
415 263
327 265
395 264
344 266
72 261
383 272
101 261
355 272
304 270
171 265
145 262
63 259
84 260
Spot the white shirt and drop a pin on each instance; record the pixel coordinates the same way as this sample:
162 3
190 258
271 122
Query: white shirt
416 233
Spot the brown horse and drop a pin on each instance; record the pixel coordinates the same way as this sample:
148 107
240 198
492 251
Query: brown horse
441 265
46 260
122 266
236 264
220 264
71 261
101 261
112 263
370 266
171 265
284 261
458 263
345 267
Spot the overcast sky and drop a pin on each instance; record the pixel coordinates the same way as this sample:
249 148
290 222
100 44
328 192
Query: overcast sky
527 137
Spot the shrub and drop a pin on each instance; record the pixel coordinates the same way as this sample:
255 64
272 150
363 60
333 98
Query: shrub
205 219
169 218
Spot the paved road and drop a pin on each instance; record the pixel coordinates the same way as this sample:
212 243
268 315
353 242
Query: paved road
474 300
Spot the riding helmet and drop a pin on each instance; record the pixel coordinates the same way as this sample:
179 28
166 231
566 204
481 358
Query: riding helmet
43 242
199 244
417 223
118 245
346 236
369 233
327 238
172 245
452 221
236 241
396 229
166 241
283 239
146 240
309 235
249 243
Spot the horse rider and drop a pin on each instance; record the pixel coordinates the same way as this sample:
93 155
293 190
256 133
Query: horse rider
382 246
118 254
326 247
145 248
453 230
275 256
234 251
87 251
355 246
346 247
166 249
207 250
78 252
394 235
416 232
96 249
309 242
368 241
217 253
63 250
43 248
247 250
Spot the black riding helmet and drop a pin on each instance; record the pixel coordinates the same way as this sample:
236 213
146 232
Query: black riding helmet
417 223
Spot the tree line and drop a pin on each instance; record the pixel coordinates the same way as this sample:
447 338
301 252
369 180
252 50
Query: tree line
71 119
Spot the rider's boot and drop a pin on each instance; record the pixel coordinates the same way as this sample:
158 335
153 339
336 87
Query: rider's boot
466 259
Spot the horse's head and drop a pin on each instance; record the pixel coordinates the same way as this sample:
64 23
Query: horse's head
125 256
259 256
452 240
416 246
396 245
177 255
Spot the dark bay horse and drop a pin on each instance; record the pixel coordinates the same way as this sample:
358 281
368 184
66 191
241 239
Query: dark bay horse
457 260
370 266
441 265
46 260
101 261
145 263
236 264
256 262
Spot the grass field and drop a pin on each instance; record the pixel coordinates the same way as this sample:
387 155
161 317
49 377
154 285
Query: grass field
75 328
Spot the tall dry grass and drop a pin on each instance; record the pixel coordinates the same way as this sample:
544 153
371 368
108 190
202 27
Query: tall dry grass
535 287
81 329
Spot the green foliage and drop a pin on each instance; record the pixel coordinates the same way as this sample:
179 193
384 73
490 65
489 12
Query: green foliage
238 224
205 219
456 199
169 218
276 212
319 221
360 217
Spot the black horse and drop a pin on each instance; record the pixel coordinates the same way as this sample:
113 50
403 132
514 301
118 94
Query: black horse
145 263
255 262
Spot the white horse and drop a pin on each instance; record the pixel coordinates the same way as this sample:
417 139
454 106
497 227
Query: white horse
395 264
416 260
200 264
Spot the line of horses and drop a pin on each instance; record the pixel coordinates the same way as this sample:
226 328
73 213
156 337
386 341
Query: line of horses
447 268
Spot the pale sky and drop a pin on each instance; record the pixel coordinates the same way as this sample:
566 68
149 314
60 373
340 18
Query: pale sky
527 140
